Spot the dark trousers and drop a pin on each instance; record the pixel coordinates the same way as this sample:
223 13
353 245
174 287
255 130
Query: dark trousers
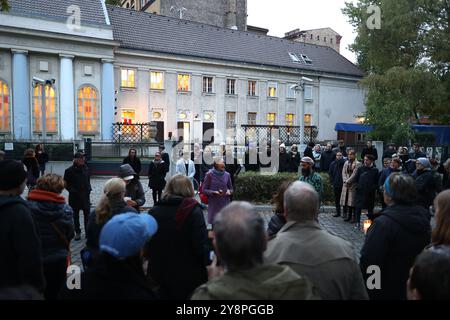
156 194
76 218
42 169
55 278
337 199
358 214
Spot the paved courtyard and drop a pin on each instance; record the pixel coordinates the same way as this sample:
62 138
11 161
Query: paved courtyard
334 225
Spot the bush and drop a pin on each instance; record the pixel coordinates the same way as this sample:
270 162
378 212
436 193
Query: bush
257 188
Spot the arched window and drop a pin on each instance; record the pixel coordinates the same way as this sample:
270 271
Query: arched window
87 110
5 119
51 115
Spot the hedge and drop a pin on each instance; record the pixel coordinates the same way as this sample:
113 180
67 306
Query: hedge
257 188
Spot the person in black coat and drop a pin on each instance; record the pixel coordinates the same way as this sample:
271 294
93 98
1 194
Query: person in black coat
428 183
395 238
414 155
389 152
133 161
278 220
134 195
394 166
111 203
309 150
328 156
446 173
342 148
32 165
179 250
42 157
20 247
370 149
164 157
196 157
55 227
78 183
367 184
207 163
118 273
335 173
157 177
283 159
294 159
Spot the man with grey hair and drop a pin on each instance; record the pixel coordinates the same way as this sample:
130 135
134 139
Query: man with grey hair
327 260
239 241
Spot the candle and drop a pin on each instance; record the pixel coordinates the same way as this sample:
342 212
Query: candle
367 224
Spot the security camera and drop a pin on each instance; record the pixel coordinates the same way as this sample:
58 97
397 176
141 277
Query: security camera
307 79
38 80
50 82
293 87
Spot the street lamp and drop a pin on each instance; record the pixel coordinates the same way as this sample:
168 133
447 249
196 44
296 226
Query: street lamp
38 81
300 87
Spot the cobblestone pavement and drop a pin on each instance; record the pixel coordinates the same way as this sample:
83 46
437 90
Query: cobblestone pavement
333 225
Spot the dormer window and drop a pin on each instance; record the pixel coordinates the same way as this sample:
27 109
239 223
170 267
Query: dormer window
294 57
306 59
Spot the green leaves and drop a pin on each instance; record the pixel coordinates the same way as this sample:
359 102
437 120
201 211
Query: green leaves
4 5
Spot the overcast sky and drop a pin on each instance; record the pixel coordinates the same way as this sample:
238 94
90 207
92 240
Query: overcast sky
281 16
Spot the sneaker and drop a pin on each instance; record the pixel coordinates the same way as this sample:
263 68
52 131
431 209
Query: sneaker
77 237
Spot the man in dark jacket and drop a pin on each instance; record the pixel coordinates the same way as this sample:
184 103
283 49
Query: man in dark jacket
20 248
394 240
367 183
309 150
134 196
78 183
416 154
165 157
335 172
428 183
342 148
294 159
328 156
389 152
283 165
370 149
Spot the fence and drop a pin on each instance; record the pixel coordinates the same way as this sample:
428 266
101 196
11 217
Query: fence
287 134
57 151
134 133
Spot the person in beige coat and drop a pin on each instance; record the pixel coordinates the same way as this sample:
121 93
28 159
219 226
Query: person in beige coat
327 260
349 186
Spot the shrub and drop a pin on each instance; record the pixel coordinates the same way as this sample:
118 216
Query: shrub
257 188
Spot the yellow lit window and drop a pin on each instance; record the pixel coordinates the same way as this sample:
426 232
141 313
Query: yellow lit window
128 78
50 109
184 82
271 117
5 125
272 90
128 116
307 119
289 119
156 80
87 110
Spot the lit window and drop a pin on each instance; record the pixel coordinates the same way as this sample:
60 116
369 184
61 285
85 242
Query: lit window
290 92
184 82
294 57
289 119
156 80
251 88
51 118
128 78
128 116
308 93
231 120
5 125
88 110
306 59
271 117
307 119
272 89
251 118
207 116
207 84
231 86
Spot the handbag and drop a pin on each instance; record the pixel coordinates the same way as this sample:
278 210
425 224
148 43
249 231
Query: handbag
203 196
66 244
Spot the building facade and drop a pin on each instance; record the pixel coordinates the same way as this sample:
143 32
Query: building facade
323 37
188 77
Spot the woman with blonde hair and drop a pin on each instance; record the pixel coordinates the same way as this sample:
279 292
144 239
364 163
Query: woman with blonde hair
179 250
111 203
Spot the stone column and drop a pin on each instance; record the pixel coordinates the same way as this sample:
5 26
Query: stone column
107 99
67 98
21 95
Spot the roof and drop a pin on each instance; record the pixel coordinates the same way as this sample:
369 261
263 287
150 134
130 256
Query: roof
150 32
352 127
58 10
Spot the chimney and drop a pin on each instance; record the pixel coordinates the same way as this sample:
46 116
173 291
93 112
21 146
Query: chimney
231 15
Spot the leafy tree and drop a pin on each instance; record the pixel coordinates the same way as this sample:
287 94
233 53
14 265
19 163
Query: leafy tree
4 6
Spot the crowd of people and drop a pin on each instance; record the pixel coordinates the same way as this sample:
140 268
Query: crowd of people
169 253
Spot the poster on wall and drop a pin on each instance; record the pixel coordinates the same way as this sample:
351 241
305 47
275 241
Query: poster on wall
9 146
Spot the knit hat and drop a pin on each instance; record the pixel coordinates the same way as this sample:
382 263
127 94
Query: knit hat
282 145
126 172
425 162
12 174
307 160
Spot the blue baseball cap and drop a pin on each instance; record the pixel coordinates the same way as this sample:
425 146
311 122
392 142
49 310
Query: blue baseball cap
125 234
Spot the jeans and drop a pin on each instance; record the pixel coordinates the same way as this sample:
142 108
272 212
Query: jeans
76 218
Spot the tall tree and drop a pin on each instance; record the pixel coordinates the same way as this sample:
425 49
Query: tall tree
4 6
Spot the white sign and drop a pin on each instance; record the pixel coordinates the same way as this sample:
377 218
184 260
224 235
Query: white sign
9 146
